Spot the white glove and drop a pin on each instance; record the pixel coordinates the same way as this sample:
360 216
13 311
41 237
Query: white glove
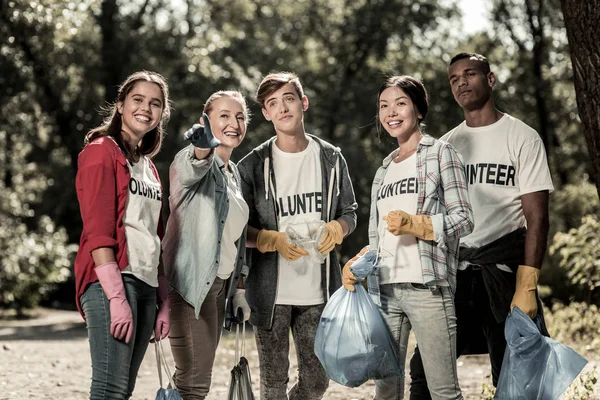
239 302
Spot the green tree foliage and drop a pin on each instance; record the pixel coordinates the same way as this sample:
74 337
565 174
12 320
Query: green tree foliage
61 60
34 261
579 250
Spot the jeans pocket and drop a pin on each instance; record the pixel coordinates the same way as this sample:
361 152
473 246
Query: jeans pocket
420 287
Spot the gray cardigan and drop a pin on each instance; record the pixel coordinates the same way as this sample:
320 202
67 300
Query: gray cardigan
256 171
192 244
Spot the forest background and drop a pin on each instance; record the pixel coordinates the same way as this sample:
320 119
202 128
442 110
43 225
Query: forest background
61 62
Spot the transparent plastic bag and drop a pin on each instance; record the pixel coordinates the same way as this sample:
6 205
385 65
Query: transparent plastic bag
307 235
534 367
352 340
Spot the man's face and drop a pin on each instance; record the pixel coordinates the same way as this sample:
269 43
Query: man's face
471 86
285 109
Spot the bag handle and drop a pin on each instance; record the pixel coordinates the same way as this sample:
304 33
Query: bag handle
237 341
380 242
162 363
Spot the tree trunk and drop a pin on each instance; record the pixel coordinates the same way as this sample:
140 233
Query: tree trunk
8 173
581 20
111 49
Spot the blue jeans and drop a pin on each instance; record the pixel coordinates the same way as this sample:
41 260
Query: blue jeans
273 347
115 364
430 313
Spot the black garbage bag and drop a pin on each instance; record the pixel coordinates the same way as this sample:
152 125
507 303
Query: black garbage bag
240 387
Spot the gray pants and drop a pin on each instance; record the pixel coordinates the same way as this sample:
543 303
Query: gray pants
194 341
273 352
430 314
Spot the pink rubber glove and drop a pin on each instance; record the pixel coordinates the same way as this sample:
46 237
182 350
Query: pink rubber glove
162 326
121 318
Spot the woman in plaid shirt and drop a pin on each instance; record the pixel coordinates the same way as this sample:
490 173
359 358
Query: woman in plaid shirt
419 211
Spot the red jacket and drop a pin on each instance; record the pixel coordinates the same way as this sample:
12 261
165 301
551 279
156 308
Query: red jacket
102 185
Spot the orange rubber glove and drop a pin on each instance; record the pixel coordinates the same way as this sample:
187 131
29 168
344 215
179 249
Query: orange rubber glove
268 241
402 223
333 234
525 298
348 278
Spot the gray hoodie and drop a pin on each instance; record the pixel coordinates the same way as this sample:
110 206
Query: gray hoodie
256 171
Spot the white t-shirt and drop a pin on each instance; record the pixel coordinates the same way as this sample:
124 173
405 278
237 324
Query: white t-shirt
142 212
237 218
299 198
503 161
399 190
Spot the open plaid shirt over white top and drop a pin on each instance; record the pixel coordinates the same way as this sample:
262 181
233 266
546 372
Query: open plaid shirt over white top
442 194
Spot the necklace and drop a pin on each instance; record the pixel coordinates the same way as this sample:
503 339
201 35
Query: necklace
401 157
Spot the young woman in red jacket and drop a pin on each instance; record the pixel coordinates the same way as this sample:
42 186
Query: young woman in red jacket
121 288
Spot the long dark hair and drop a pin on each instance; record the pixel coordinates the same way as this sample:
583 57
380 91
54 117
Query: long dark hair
111 126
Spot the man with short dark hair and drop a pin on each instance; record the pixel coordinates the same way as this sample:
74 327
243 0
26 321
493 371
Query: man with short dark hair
509 183
292 179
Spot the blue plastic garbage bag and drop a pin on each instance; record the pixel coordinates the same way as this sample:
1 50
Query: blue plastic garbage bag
534 367
352 341
365 265
169 393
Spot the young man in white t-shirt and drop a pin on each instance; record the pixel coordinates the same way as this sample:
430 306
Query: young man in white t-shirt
292 179
509 183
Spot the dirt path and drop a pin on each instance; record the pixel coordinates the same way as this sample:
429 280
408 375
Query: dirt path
48 358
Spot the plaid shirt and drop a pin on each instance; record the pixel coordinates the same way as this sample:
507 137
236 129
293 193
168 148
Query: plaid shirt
443 196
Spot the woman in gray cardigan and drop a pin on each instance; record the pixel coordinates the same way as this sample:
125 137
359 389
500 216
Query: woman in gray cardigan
204 245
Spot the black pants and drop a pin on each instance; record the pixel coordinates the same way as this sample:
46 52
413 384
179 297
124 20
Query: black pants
474 319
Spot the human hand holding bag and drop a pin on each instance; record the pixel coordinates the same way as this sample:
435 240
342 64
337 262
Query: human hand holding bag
333 234
162 324
269 241
240 305
525 297
348 278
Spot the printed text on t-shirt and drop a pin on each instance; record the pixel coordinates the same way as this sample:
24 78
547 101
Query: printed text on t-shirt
300 204
495 174
403 186
137 187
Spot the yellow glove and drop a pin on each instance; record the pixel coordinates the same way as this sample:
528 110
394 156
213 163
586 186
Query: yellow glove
333 234
525 298
401 223
348 278
268 241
